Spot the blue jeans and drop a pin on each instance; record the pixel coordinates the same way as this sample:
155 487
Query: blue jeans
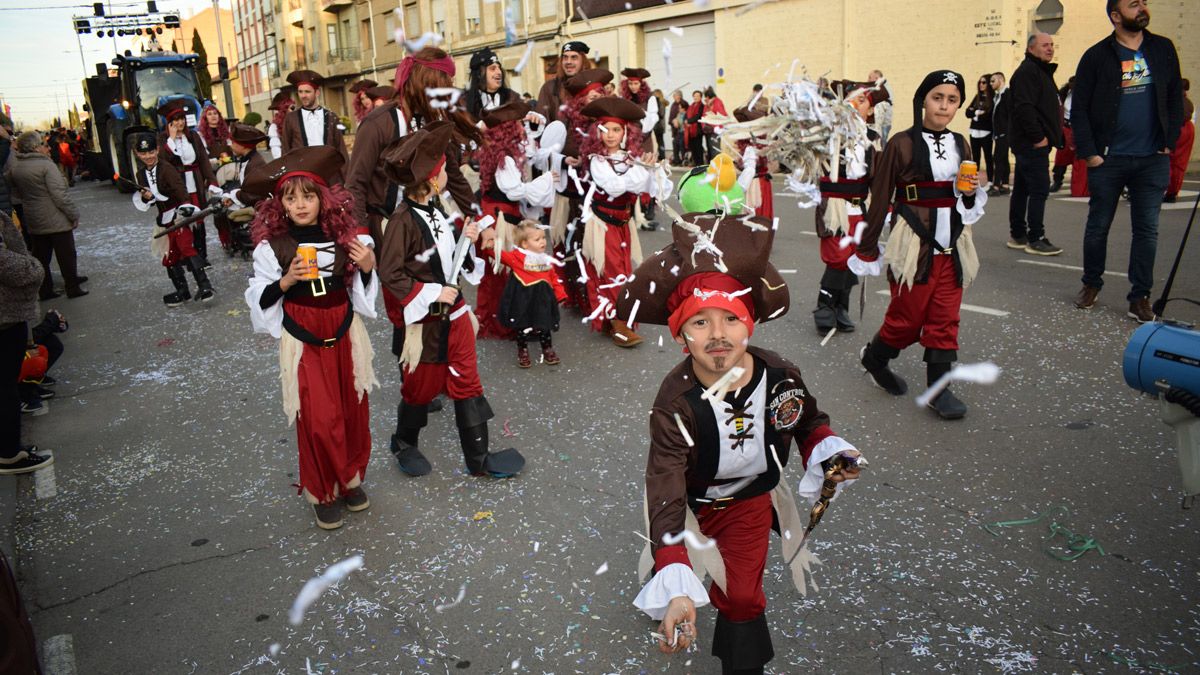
1031 187
1146 180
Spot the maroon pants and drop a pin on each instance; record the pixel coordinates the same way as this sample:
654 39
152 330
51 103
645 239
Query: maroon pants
926 312
458 377
1180 156
743 534
617 262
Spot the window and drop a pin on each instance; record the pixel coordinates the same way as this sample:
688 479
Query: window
439 17
471 15
547 9
412 19
389 26
364 35
332 37
263 76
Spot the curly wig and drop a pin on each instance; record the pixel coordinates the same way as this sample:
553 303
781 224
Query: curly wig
502 141
213 136
336 216
285 107
640 97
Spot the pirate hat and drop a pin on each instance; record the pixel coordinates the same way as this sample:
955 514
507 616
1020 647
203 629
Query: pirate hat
173 109
614 108
246 135
587 80
745 114
318 162
848 87
144 141
310 77
382 92
635 73
363 85
710 257
512 111
419 155
576 46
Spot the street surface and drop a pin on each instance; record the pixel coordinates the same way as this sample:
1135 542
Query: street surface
170 539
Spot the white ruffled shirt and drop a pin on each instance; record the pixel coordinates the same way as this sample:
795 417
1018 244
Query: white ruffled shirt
442 232
182 148
267 271
618 174
538 192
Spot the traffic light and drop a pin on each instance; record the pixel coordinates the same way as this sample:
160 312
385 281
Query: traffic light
171 20
98 9
222 68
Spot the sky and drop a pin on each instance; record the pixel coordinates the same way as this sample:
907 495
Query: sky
40 69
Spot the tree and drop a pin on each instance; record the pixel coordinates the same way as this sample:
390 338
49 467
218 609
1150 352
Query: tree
202 73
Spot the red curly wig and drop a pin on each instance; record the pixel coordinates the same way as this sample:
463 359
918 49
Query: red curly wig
360 109
501 141
592 144
213 136
285 107
639 98
336 216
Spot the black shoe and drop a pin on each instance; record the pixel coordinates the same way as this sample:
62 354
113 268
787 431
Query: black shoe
844 323
76 293
1042 247
175 299
880 374
410 459
205 294
436 404
44 393
825 315
48 381
471 417
648 226
947 406
81 279
49 296
27 460
1056 186
34 408
329 516
1170 197
356 499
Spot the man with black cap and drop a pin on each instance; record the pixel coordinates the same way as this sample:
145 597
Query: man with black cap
311 124
573 59
930 254
721 430
487 89
163 187
421 264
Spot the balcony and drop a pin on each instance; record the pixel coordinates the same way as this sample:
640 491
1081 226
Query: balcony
296 16
334 5
343 54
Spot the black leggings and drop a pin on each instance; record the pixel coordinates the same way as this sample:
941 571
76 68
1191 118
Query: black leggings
540 335
981 150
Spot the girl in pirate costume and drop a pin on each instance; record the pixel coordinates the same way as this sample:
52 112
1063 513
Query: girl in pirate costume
420 261
529 306
755 175
184 149
363 105
930 255
559 153
721 431
840 213
618 178
213 130
635 88
280 106
508 198
324 352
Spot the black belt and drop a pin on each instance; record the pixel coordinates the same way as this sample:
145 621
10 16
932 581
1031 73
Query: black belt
315 288
932 194
845 189
300 333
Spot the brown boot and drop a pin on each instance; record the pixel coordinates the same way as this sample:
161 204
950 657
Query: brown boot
550 357
1087 297
623 335
523 357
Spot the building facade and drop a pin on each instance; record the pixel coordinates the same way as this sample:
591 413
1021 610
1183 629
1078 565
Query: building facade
256 62
204 23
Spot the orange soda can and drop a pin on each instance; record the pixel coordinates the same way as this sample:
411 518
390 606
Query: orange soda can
309 255
965 171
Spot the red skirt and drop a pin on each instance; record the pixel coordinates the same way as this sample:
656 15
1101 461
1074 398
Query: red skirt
832 252
333 430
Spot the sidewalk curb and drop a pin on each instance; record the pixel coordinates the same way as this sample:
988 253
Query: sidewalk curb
9 487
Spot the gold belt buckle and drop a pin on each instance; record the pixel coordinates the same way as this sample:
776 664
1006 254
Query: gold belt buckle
721 503
328 342
910 192
319 282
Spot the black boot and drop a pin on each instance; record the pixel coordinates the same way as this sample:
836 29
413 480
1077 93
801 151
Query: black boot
938 362
744 647
410 419
875 357
1060 172
825 315
472 415
200 243
651 224
844 323
204 289
179 280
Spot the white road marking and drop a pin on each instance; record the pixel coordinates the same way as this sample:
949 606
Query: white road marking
43 483
970 308
787 271
809 233
59 655
1061 266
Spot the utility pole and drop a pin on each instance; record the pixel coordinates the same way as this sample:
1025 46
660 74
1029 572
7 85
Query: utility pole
224 73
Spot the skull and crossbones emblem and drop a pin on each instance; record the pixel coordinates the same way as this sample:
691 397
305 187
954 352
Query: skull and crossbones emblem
950 77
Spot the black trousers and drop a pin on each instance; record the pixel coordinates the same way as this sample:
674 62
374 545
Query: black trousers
696 147
59 245
1031 187
12 353
662 149
1000 157
981 150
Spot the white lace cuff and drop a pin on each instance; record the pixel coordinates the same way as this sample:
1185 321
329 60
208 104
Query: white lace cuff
864 268
814 476
972 215
670 582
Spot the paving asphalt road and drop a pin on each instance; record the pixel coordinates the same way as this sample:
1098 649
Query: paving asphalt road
174 542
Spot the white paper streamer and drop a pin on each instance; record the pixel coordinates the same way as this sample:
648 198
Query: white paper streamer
316 586
690 537
980 373
462 592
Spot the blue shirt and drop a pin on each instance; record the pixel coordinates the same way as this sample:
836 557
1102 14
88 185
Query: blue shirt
1137 133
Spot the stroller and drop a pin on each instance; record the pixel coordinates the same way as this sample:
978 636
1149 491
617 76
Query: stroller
237 221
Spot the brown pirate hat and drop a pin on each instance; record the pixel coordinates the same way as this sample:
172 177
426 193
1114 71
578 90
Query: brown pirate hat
509 112
246 135
587 80
309 77
363 85
318 162
418 155
614 108
735 246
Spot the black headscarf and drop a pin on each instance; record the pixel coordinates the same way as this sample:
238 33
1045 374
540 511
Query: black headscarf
480 60
932 80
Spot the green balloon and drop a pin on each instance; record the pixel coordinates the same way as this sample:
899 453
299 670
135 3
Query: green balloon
696 195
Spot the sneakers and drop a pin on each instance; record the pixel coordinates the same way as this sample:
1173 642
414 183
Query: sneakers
34 408
1087 297
550 357
205 294
356 500
1042 247
1139 310
1018 243
27 460
523 360
329 516
43 393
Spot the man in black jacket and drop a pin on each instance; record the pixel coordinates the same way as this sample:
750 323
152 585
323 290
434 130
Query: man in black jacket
1000 117
1034 129
1126 114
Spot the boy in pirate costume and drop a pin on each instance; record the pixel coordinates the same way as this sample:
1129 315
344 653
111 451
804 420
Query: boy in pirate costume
243 143
716 459
185 150
635 88
434 329
930 254
163 187
310 124
840 214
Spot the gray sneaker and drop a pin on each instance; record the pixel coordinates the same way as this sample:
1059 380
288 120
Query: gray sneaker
1018 243
1042 247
